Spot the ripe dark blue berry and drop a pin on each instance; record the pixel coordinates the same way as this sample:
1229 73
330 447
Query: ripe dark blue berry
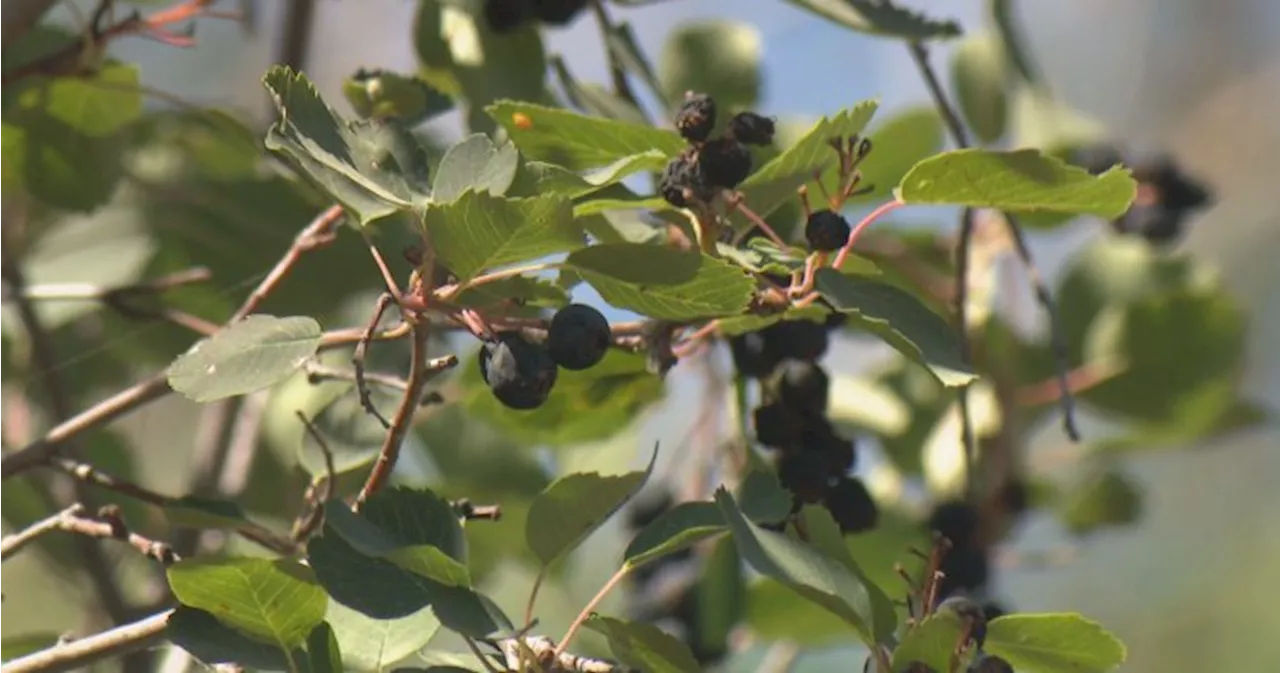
506 15
802 385
1157 223
826 231
851 506
957 521
804 474
797 339
778 426
820 437
964 569
990 663
836 320
519 373
696 117
752 356
578 337
993 610
557 12
682 183
724 162
1174 189
751 128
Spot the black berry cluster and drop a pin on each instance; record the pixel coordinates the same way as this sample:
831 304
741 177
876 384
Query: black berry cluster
711 163
813 460
1166 195
965 566
521 373
506 15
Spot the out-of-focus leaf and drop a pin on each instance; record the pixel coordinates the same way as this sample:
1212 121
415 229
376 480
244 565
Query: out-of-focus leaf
717 57
880 18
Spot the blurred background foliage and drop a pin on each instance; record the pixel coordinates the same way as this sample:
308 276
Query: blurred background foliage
1159 524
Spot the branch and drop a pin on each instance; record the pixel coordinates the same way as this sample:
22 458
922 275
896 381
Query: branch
94 292
80 653
390 453
1043 295
12 544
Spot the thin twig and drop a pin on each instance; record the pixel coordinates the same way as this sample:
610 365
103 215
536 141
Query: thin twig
591 607
79 653
309 520
357 358
1057 341
12 544
320 232
390 453
95 292
617 73
969 442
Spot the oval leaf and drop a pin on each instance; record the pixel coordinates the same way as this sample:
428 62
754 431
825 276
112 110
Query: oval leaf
213 642
323 655
255 353
645 647
627 281
278 600
373 645
480 231
574 506
678 528
978 77
1054 643
575 141
475 164
930 642
1019 181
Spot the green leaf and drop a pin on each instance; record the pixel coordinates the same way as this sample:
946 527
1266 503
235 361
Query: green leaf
212 642
574 506
1054 643
713 56
537 177
645 647
385 94
323 653
880 18
1102 498
373 645
810 573
776 612
278 600
775 183
978 76
197 512
594 98
584 406
897 144
253 354
661 282
742 324
719 599
96 106
901 320
525 290
1019 181
576 141
678 528
930 642
762 497
478 231
622 44
475 164
432 563
372 167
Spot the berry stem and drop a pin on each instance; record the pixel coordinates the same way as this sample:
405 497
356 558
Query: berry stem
755 218
447 293
690 342
880 211
591 607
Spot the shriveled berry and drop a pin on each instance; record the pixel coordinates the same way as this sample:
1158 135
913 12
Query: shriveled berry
802 385
578 337
990 663
519 373
724 162
1174 189
682 183
964 569
751 355
797 339
696 117
751 128
778 426
804 474
955 520
820 437
826 231
558 12
506 15
852 506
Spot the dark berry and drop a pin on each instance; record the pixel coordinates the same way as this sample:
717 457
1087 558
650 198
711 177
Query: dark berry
802 385
778 426
820 437
1157 223
851 506
696 117
964 569
993 610
971 614
826 231
797 339
1015 496
989 663
751 355
681 183
646 510
1096 158
805 475
1173 188
751 128
836 320
956 521
578 337
506 15
519 373
557 12
724 163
